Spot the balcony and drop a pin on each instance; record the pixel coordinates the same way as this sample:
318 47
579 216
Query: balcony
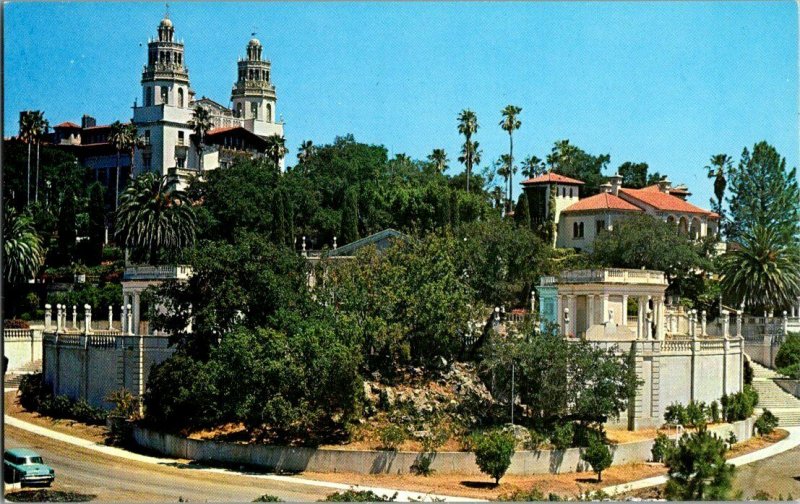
146 272
615 276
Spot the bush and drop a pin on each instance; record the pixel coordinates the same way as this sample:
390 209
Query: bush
598 455
422 466
696 413
537 440
788 358
82 411
31 391
126 405
748 373
16 323
359 496
740 405
766 423
562 436
532 495
697 468
732 440
392 436
662 448
493 453
714 410
675 414
267 498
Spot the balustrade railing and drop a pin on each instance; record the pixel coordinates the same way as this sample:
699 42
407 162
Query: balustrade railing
17 334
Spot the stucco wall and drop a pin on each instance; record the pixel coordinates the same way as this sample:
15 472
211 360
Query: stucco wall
22 347
289 459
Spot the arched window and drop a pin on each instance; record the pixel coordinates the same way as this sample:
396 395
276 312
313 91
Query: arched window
269 112
239 109
165 95
575 230
254 110
580 229
570 192
180 97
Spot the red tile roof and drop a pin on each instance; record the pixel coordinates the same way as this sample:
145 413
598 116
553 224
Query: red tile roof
602 201
672 190
223 130
67 124
661 201
551 177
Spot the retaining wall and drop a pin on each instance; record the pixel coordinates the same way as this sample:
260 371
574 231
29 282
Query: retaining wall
790 386
289 459
22 347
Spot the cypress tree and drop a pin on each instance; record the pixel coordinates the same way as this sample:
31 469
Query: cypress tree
455 211
97 223
278 218
288 220
522 215
67 227
349 225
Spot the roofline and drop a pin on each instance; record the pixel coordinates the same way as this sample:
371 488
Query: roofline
700 212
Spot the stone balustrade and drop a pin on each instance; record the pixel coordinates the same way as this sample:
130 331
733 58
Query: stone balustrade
614 275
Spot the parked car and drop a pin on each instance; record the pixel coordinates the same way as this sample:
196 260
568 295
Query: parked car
26 467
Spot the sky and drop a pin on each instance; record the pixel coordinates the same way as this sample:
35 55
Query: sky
668 83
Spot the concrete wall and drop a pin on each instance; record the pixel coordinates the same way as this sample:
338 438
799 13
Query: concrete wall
291 459
91 367
762 349
22 347
790 386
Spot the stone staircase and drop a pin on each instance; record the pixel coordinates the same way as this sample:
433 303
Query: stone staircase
770 396
12 378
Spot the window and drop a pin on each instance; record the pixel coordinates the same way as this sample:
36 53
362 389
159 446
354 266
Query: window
577 229
254 109
148 97
147 162
181 162
180 97
164 95
146 137
601 225
238 110
180 138
269 112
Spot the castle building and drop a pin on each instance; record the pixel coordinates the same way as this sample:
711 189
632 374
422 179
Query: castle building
580 220
165 120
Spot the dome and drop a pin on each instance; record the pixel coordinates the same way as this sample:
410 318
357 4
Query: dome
254 42
166 23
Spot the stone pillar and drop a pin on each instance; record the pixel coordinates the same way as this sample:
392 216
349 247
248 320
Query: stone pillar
74 316
784 324
573 314
639 318
123 318
129 318
604 307
48 317
567 320
136 312
725 316
691 323
703 324
87 319
590 311
625 310
726 347
110 317
739 316
59 327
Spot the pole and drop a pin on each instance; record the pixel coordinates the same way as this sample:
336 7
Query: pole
512 392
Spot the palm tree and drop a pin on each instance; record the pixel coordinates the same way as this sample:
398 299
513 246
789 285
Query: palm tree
719 167
306 151
467 126
764 273
27 133
22 247
276 148
510 123
470 156
201 124
153 216
532 167
439 159
504 170
562 155
497 195
41 127
123 138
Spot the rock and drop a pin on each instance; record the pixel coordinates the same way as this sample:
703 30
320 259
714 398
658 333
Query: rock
421 434
522 436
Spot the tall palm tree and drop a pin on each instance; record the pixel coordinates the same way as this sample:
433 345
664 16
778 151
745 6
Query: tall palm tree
439 159
470 156
276 148
201 124
764 273
562 156
468 126
504 170
510 123
122 137
22 247
720 165
41 126
532 167
27 133
153 216
306 151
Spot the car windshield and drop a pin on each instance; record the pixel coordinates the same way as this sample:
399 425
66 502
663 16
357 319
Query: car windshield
34 460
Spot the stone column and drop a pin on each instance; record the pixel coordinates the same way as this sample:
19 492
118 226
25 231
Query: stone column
74 316
725 316
123 318
648 324
567 320
590 310
58 318
129 318
604 307
739 316
110 317
625 310
784 324
690 316
726 347
573 315
639 318
87 319
703 324
48 317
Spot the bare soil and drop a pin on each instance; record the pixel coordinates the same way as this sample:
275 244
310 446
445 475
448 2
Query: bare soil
95 433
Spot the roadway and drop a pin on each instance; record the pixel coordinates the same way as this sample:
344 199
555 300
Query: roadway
776 475
116 479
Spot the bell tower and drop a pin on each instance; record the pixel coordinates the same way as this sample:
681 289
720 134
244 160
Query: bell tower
165 78
253 94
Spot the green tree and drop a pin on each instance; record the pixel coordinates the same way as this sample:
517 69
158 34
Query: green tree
697 468
97 223
634 175
201 124
522 215
349 226
511 123
468 126
718 168
27 133
276 148
788 358
598 455
22 247
532 167
305 151
67 227
154 217
279 219
39 131
122 137
572 161
438 157
764 272
493 452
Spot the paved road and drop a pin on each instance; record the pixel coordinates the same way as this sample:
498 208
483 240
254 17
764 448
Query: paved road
775 475
115 479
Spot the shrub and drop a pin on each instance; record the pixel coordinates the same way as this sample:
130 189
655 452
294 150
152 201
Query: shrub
562 436
662 447
766 423
359 496
789 352
748 373
57 406
675 414
16 323
696 413
532 495
732 440
714 410
422 466
82 411
493 453
126 405
31 391
740 405
697 468
598 455
537 440
267 498
392 436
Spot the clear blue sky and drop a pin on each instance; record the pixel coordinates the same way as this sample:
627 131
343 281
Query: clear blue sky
665 83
